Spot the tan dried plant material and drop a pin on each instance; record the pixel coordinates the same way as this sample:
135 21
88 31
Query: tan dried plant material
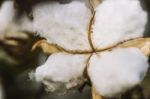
95 95
46 47
95 3
142 43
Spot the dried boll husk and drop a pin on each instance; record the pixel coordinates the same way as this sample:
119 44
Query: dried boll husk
65 25
114 72
117 21
62 71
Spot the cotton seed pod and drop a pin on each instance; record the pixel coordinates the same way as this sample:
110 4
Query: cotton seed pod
62 70
65 25
114 72
118 21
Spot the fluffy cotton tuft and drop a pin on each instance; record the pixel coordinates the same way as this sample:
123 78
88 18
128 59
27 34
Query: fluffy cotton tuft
62 71
117 71
116 21
63 24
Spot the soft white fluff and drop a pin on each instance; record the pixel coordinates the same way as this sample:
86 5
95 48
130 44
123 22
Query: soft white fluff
7 14
117 71
62 71
63 24
118 20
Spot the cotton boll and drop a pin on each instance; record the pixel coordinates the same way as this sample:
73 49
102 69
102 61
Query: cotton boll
63 24
7 13
62 71
117 71
117 21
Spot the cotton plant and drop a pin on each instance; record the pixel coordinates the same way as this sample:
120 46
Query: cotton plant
102 43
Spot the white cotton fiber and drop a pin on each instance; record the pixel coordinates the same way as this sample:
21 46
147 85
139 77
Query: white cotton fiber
63 24
117 71
62 71
116 21
7 13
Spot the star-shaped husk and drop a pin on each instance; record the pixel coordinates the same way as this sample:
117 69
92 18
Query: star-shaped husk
143 44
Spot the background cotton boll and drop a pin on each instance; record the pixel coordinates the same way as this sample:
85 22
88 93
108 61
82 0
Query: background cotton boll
116 21
7 14
63 24
62 70
117 71
8 23
22 24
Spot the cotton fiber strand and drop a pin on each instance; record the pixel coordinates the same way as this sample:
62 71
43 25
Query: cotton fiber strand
114 72
117 21
63 24
61 69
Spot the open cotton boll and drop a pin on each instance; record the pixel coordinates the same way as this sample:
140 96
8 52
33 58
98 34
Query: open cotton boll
63 24
115 72
62 71
7 13
117 21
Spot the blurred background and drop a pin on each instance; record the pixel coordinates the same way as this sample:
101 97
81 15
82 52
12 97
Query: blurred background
17 62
